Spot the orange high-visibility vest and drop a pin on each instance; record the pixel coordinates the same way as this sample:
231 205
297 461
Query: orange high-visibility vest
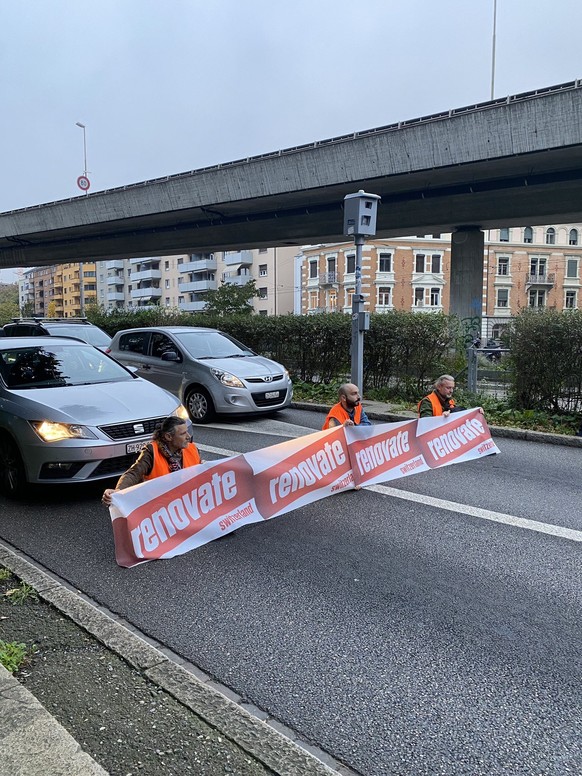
437 407
338 413
190 457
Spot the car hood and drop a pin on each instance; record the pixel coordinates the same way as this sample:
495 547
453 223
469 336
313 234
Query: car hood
250 366
96 404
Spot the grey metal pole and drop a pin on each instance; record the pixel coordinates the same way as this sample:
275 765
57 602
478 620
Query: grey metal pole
357 376
493 50
81 283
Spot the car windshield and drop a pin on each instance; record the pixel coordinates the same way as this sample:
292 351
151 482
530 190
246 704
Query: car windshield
91 334
212 344
47 366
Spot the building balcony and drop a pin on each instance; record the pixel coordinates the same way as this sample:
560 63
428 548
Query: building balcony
542 281
328 279
198 286
146 293
146 262
192 307
115 296
234 258
200 265
115 264
115 280
146 274
236 280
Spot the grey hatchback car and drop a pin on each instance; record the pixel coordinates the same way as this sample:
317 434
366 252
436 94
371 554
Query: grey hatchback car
210 371
70 413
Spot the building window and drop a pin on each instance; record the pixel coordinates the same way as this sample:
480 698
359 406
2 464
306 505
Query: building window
262 312
350 264
570 302
550 236
537 267
313 269
503 265
384 296
332 301
435 264
349 297
502 299
419 297
166 265
313 300
435 297
419 262
331 265
262 270
537 298
504 234
571 268
498 330
528 234
263 250
262 293
573 237
167 282
385 262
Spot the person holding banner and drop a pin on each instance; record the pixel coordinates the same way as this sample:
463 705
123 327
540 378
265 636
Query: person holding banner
440 401
348 411
170 450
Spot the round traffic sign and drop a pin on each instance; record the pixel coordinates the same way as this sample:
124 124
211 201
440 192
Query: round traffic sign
83 182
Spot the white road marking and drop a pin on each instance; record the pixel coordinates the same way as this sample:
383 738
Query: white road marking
266 426
484 514
451 506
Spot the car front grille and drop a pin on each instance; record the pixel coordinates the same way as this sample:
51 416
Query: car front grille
263 379
261 401
114 466
128 430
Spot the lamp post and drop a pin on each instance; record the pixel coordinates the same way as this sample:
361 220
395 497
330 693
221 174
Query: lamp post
493 50
85 178
359 222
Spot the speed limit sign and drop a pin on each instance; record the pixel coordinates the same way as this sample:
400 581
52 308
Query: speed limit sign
83 182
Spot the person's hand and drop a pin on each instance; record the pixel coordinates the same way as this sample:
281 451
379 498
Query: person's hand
348 422
446 413
106 497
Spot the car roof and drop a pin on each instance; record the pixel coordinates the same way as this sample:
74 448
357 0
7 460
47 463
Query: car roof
9 343
170 329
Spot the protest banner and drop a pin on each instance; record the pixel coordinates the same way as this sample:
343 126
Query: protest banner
178 512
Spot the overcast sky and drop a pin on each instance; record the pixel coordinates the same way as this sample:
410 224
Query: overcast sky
165 86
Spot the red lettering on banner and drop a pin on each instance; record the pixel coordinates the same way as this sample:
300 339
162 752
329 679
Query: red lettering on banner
313 467
379 454
168 520
442 445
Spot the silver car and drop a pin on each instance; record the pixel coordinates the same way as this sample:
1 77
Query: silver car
207 369
70 413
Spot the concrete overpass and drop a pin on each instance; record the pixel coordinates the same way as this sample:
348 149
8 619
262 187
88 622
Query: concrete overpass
511 161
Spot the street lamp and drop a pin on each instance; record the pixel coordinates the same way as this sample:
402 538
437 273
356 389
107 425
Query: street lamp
83 183
359 222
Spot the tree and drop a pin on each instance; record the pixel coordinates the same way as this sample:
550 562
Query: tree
230 299
8 302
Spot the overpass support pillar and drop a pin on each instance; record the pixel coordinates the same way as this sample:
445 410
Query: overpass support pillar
467 255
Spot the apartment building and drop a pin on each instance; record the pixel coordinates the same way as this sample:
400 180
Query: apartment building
523 267
58 291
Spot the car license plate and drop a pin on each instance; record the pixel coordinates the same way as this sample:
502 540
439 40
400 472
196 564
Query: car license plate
272 395
134 447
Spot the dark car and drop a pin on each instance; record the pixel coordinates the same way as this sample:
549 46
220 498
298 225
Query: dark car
74 328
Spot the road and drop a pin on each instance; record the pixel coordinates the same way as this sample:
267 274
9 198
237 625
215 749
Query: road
410 629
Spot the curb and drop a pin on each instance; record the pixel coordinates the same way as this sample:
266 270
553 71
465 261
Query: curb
497 431
264 738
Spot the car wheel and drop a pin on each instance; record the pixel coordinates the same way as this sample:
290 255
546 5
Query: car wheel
199 405
12 474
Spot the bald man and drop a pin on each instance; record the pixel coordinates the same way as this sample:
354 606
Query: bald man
348 411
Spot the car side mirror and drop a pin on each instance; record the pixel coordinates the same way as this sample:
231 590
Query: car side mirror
170 355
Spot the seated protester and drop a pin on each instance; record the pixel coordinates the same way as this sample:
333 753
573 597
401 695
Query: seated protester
348 411
170 450
440 401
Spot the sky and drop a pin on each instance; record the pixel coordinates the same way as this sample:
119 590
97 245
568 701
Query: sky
166 86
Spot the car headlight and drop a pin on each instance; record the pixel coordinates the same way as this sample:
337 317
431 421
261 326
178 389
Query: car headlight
182 412
53 432
227 379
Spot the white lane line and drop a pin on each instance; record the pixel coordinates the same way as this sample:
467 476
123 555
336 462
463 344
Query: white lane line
484 514
451 506
271 428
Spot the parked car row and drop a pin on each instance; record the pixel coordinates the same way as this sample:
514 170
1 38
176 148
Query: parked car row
72 411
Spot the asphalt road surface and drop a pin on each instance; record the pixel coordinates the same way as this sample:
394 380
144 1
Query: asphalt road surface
432 626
